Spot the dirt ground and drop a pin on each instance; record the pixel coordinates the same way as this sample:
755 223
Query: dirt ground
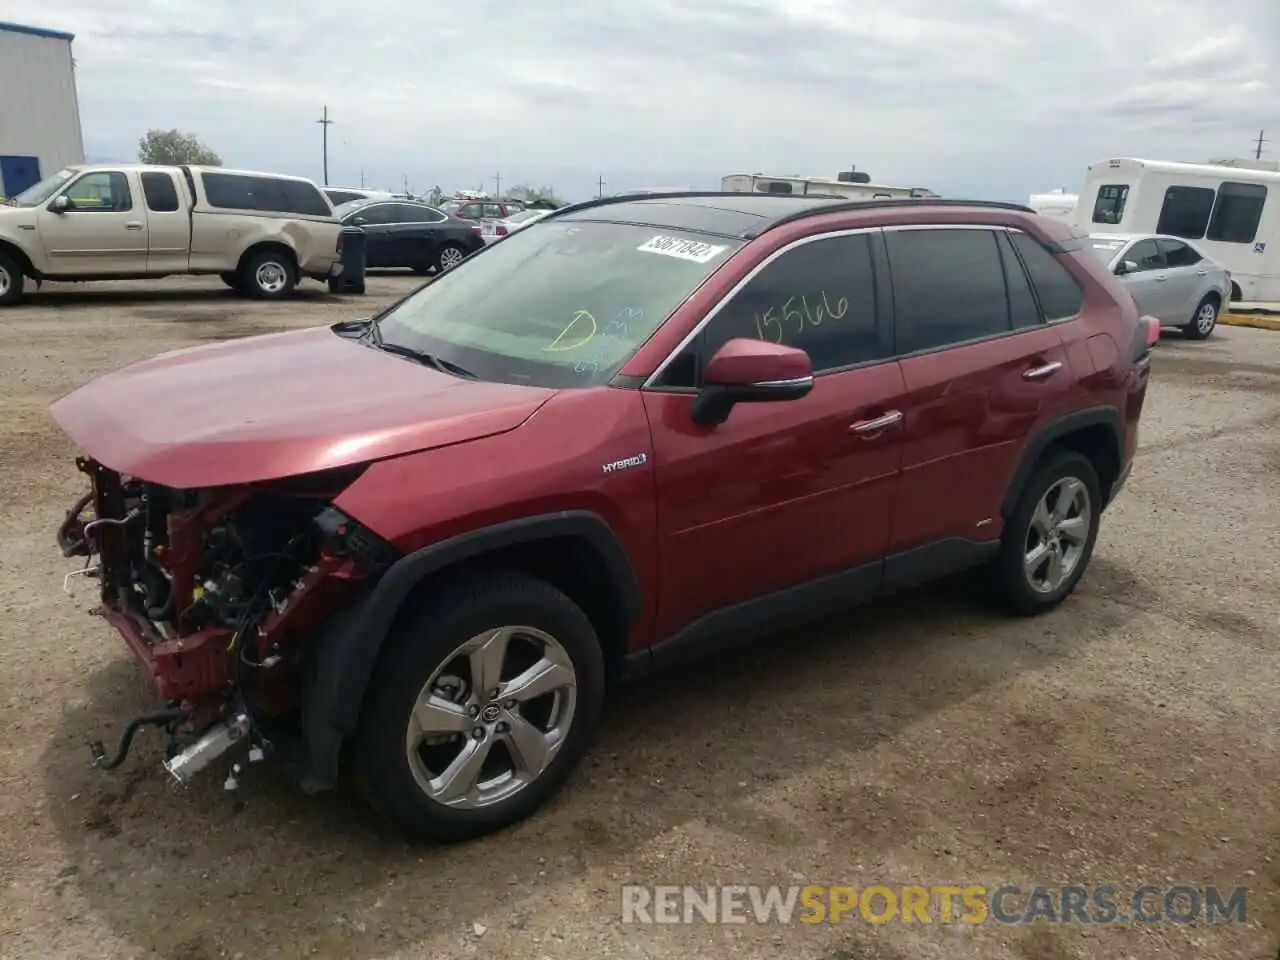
1131 737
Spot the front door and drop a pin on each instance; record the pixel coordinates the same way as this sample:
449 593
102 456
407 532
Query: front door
1148 281
102 231
782 494
982 368
379 241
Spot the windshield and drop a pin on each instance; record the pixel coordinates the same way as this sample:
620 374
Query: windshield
35 195
565 305
1105 247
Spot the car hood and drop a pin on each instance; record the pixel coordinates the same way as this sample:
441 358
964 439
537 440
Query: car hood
280 405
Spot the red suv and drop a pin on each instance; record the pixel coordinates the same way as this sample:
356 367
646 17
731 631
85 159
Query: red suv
427 542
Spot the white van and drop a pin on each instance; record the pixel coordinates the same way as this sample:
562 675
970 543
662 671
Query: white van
854 186
1055 204
1231 212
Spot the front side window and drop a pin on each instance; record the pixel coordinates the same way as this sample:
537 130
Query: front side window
948 287
819 297
1237 213
1146 255
562 306
1109 207
1185 212
372 214
100 192
1179 254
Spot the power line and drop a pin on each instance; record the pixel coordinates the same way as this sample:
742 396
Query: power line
325 123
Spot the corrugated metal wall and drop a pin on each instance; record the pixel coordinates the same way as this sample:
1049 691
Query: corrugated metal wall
39 113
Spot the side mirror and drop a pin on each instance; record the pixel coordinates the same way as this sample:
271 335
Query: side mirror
60 204
751 371
359 221
1126 266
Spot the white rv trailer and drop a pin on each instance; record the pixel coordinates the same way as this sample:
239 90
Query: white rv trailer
1231 212
1055 204
859 189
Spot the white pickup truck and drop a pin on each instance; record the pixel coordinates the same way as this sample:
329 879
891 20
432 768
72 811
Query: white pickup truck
259 232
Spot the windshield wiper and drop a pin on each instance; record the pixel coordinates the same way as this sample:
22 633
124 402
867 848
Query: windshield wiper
421 356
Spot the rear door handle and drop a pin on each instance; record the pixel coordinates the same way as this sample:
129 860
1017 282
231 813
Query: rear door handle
1202 273
1161 279
877 424
133 225
1041 373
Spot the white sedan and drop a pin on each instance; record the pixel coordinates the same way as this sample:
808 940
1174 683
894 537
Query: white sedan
494 230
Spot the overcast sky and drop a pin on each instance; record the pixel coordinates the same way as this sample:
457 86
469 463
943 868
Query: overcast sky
982 98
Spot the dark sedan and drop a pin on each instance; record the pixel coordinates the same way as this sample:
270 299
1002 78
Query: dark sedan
399 233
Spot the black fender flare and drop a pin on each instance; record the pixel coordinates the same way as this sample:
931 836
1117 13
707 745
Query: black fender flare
345 650
1055 430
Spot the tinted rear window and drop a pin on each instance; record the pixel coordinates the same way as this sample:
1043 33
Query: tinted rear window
234 191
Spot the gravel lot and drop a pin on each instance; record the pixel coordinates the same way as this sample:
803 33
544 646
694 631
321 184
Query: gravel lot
1129 738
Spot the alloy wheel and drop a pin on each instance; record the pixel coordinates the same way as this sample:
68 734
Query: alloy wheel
492 717
1206 317
450 257
1057 535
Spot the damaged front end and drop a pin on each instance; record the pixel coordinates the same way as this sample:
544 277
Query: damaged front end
216 592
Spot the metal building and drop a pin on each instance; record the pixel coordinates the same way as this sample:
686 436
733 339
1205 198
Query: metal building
39 110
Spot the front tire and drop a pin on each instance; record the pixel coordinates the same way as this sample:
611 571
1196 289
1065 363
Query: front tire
1204 320
485 702
12 281
1048 541
449 257
268 275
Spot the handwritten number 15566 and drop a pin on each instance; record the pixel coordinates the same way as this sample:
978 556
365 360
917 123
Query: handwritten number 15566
793 317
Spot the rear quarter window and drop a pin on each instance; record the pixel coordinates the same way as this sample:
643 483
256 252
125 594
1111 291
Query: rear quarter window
1059 293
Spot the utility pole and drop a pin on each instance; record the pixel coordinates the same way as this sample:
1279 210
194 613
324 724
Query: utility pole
325 123
600 186
1257 153
362 178
497 186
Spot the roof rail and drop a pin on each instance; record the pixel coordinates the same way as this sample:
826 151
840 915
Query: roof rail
892 202
833 206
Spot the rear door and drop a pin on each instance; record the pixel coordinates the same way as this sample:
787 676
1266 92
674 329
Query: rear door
783 494
1188 278
981 369
416 234
168 223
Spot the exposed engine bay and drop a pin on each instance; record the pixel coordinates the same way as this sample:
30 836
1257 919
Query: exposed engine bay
215 592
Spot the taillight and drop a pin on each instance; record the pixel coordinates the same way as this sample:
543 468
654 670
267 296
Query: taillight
1153 330
500 230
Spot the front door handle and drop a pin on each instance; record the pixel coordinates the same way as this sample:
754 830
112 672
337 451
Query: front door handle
1161 279
133 225
1202 273
1041 373
877 424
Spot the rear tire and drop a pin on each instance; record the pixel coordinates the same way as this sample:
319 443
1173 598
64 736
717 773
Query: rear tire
1048 540
12 281
1203 321
532 629
268 275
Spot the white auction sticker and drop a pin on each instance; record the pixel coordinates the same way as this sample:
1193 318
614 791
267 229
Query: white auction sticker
693 250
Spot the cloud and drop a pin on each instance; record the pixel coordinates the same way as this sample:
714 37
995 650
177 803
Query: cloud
993 98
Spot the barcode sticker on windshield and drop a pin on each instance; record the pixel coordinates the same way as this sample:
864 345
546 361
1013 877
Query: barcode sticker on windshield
693 250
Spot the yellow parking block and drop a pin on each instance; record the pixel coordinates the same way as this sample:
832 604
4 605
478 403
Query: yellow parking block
1260 321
